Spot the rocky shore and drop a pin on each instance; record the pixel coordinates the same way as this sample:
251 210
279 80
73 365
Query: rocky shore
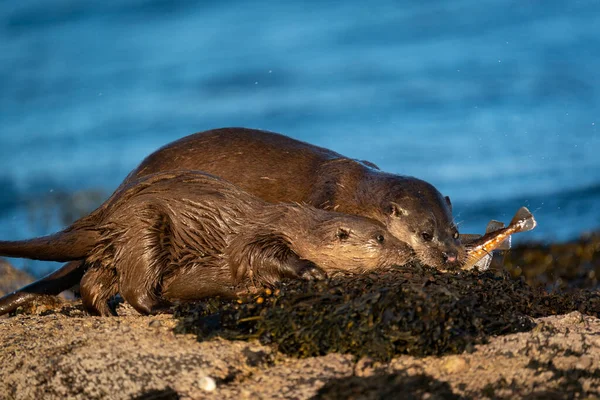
71 355
470 335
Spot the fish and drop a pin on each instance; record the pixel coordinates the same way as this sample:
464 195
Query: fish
492 226
484 263
497 237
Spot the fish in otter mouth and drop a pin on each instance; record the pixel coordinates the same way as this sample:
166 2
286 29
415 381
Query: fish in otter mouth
497 237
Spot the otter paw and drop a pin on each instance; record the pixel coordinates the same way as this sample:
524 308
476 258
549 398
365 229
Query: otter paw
312 273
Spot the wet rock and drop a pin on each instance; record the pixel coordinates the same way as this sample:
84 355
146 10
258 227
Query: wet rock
12 278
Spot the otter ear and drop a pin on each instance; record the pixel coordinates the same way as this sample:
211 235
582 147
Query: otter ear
396 211
343 233
448 202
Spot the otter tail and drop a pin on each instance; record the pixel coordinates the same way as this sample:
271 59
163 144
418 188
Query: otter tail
70 244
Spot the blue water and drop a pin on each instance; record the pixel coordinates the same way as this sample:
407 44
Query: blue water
496 103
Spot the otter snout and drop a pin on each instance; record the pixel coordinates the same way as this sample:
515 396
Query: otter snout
453 255
450 258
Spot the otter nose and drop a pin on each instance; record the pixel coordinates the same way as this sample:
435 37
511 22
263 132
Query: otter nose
450 257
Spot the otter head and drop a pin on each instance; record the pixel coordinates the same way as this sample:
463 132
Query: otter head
344 242
422 217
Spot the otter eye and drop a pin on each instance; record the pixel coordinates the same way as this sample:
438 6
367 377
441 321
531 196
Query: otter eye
426 237
380 238
343 234
456 235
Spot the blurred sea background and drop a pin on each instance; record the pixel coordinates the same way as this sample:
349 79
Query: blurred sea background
496 103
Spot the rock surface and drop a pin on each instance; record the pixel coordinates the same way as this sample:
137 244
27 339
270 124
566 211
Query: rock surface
12 278
67 354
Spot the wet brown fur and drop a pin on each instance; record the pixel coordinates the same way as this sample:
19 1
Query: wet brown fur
277 168
180 236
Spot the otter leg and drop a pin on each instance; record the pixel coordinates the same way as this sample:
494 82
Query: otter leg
142 253
276 261
97 286
138 284
268 258
141 267
197 281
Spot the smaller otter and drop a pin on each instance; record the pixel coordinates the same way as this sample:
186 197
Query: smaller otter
182 236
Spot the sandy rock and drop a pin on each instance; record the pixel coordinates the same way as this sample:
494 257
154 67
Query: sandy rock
58 356
455 365
72 355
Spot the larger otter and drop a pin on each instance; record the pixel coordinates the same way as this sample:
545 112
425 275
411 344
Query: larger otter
187 235
277 168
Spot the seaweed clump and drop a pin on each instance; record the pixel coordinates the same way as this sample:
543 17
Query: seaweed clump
413 310
562 266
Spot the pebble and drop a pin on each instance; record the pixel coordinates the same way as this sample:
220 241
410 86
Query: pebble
584 362
207 383
155 324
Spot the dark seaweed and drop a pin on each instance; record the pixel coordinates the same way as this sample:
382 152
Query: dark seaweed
413 310
557 266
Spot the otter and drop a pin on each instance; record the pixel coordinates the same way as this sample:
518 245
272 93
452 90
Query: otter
186 235
277 168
